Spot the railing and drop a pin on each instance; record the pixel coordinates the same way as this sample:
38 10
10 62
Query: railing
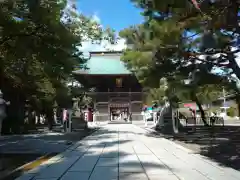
105 117
198 121
107 96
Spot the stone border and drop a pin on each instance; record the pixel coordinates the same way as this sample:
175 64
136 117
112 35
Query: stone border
20 170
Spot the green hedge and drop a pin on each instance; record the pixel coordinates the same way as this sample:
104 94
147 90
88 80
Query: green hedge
232 112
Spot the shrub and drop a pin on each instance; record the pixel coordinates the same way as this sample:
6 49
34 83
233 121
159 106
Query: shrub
231 112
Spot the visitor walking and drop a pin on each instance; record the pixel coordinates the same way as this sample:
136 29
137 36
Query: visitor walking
65 120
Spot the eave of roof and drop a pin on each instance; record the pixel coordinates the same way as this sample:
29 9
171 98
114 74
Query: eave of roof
104 63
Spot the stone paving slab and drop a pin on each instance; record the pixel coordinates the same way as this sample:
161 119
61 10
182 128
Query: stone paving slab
76 175
125 152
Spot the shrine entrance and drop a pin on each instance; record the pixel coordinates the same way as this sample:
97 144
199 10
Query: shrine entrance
115 91
119 111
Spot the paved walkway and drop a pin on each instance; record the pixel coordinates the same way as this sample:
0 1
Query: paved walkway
126 152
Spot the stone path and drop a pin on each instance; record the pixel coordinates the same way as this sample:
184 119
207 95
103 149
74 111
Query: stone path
126 152
48 142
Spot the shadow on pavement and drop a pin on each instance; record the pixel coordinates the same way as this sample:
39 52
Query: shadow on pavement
79 157
50 142
18 150
221 144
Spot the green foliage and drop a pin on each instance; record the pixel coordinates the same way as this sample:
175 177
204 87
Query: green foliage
39 49
209 93
155 95
232 112
169 42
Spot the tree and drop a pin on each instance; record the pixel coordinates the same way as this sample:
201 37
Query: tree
157 95
215 26
39 42
177 39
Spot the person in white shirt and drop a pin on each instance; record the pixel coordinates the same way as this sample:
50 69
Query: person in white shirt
222 114
212 114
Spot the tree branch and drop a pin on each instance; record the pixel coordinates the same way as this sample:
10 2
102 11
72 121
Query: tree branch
213 63
194 57
4 40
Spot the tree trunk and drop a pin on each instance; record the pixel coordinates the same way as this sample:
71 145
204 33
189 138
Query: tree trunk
234 65
238 105
199 104
50 118
1 122
14 121
38 117
238 108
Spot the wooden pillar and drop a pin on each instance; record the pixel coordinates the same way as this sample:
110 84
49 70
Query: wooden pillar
130 100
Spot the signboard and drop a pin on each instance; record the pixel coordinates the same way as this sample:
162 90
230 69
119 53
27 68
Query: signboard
120 105
119 82
190 105
226 104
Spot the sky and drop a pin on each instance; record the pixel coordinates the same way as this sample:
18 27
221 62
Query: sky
116 14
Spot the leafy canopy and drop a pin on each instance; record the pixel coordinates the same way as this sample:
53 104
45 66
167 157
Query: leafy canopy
39 48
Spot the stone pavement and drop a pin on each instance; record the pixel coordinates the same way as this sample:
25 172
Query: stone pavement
127 152
49 142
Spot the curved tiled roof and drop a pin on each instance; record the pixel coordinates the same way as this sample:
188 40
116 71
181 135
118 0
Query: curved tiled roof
104 64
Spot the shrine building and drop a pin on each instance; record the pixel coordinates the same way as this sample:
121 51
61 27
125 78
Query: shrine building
114 86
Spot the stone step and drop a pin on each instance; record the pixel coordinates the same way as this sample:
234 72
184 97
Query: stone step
119 122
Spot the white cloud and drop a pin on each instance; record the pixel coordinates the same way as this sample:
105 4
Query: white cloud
88 46
96 18
105 45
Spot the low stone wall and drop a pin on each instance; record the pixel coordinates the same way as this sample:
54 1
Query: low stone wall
137 117
102 117
105 117
78 123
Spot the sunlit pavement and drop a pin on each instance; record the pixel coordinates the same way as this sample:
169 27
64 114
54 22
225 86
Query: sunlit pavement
125 151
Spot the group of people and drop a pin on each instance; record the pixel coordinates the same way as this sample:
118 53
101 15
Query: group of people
120 115
151 113
217 116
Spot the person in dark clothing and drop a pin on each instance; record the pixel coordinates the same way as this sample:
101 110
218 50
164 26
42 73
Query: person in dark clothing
130 116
